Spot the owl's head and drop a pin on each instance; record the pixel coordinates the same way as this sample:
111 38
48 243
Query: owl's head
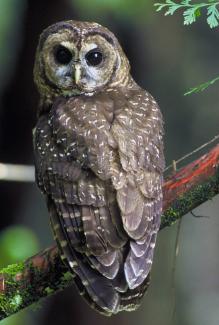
78 58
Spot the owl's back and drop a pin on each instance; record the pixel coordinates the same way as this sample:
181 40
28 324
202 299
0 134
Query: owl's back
99 161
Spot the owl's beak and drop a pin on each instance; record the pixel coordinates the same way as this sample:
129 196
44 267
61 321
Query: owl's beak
77 73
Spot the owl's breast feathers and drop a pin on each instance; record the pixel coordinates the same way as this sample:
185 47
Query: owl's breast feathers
99 160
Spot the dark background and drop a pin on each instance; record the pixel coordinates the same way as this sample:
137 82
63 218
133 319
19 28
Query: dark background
166 59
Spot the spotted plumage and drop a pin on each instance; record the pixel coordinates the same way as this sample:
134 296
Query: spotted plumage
99 161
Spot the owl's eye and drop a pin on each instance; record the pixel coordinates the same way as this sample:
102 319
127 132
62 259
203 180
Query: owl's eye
94 57
63 55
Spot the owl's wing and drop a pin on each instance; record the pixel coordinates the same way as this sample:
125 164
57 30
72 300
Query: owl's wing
82 222
137 131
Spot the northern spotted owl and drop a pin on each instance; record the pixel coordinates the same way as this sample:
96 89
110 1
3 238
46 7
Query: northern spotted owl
99 161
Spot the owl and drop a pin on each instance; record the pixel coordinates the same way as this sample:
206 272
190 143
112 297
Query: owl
99 160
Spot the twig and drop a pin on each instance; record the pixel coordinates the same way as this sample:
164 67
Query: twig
175 162
44 274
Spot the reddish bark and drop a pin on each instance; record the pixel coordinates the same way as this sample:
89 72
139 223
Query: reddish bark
194 174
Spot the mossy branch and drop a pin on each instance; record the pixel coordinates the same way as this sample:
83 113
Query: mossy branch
44 274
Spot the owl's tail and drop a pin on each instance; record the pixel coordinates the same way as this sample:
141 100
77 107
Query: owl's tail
131 299
107 296
97 290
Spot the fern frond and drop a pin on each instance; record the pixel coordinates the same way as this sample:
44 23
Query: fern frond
201 87
192 11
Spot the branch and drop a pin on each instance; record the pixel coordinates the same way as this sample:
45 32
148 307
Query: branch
17 173
44 274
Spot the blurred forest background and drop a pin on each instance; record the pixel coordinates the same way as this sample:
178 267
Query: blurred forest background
167 59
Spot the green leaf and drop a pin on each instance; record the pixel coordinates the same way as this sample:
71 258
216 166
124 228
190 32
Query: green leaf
159 6
191 11
170 2
172 9
213 16
186 2
198 12
201 87
189 16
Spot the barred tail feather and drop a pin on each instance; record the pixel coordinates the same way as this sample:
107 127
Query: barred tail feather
97 290
131 299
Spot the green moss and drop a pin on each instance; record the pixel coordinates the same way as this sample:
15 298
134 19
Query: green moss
13 269
24 291
187 202
16 301
66 278
12 300
9 305
49 291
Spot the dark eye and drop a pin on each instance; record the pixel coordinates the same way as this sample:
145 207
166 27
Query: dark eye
94 57
63 55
